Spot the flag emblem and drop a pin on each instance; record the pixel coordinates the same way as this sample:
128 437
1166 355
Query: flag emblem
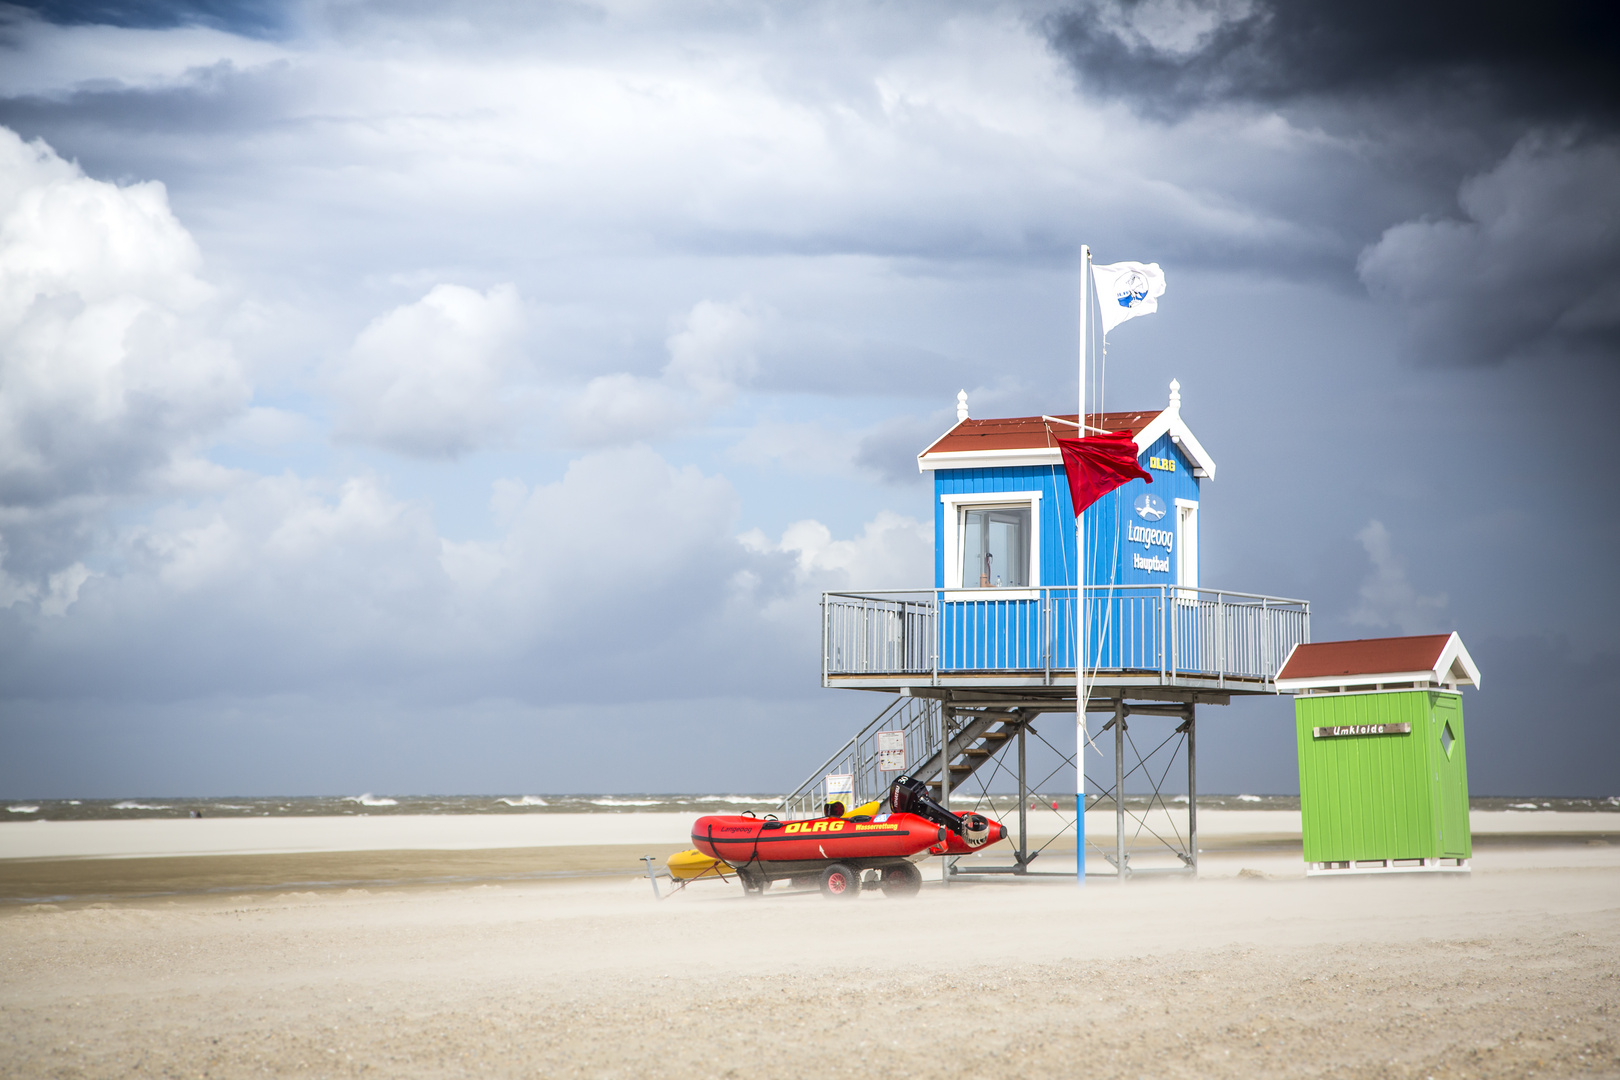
1132 288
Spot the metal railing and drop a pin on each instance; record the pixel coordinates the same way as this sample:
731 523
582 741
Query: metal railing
918 718
1173 631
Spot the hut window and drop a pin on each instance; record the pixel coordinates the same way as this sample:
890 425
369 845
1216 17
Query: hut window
1446 738
995 547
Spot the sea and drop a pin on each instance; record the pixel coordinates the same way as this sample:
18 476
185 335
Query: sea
371 804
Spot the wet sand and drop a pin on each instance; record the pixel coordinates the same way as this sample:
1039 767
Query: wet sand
75 880
1251 971
107 860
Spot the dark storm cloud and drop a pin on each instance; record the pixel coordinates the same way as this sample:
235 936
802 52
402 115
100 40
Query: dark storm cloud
1532 263
250 18
1558 60
1504 111
218 99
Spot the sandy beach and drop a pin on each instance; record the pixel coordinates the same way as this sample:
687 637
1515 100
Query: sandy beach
551 959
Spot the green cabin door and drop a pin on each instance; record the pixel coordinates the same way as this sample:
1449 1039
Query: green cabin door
1452 766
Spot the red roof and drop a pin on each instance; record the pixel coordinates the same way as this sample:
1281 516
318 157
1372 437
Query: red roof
1367 656
1031 432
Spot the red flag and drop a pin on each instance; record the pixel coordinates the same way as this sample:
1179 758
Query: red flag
1097 464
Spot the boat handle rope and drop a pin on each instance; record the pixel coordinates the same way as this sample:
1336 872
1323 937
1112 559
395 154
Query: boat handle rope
751 858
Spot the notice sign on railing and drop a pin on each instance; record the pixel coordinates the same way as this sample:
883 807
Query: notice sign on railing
891 751
1360 729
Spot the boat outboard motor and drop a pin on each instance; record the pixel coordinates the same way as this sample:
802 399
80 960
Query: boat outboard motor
975 829
910 796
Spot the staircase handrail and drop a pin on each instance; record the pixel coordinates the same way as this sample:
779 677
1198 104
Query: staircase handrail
815 776
852 747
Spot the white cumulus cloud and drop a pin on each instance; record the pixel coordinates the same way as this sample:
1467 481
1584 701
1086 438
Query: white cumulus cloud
106 365
433 378
892 552
110 367
713 353
1387 598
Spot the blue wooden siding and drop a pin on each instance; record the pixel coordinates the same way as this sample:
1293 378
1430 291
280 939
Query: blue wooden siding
1056 527
1108 546
1002 634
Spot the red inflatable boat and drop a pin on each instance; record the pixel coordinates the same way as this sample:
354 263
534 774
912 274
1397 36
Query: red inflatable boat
834 851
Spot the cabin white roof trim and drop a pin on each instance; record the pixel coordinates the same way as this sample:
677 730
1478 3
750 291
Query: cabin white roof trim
1168 422
988 459
1453 667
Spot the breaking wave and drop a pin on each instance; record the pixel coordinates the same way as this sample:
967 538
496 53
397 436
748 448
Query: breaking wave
23 809
526 800
368 799
1241 798
131 804
626 802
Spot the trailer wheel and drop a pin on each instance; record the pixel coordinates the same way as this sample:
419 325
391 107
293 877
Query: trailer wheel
839 882
901 879
754 884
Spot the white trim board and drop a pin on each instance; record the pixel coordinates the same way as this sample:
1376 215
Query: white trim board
1356 680
1169 423
1357 690
989 459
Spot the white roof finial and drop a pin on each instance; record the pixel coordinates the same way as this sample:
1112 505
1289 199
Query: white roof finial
961 406
1175 396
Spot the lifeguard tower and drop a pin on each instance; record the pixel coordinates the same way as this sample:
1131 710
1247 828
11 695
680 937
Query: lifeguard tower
973 661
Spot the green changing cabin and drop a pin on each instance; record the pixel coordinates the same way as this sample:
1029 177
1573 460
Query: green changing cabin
1383 757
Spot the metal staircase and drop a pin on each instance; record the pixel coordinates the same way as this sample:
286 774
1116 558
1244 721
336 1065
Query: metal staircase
966 738
975 738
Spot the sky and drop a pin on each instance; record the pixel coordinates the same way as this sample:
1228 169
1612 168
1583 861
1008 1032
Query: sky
428 399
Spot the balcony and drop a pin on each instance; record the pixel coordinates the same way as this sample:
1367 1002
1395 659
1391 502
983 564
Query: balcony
1022 639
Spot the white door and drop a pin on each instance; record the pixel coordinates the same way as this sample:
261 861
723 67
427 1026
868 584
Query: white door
1187 545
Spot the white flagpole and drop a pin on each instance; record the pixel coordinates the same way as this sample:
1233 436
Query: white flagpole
1080 599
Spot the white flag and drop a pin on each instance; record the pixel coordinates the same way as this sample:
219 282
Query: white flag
1126 290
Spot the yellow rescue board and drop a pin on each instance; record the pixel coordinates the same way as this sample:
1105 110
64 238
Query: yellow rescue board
686 865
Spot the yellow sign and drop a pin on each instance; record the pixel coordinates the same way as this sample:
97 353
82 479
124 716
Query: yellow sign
1163 464
823 825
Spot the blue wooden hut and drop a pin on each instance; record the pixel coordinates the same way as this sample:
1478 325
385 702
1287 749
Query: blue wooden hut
1005 550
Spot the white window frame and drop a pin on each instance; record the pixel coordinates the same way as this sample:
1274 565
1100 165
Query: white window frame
952 543
1187 547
